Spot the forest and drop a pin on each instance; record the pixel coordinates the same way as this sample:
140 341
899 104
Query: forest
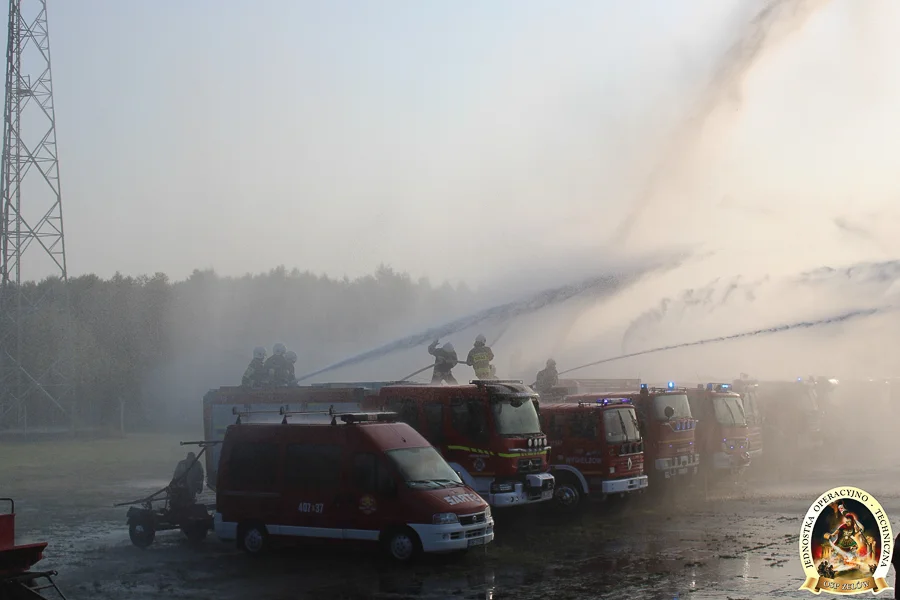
153 346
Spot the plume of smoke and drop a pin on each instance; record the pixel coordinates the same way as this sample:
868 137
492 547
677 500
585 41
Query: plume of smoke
777 21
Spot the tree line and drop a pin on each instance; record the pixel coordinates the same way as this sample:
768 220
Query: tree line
154 346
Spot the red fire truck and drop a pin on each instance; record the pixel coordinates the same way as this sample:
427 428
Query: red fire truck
669 444
669 430
721 431
489 432
370 479
596 448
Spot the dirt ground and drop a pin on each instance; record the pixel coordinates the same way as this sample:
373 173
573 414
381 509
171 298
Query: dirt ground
737 542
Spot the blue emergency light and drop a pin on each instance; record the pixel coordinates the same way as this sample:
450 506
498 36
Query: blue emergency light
643 386
671 385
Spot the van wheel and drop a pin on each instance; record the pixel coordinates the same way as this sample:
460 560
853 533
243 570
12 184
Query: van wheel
253 538
567 494
402 544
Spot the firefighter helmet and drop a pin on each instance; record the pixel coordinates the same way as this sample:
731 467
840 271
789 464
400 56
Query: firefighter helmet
448 347
291 356
259 352
551 363
480 339
278 349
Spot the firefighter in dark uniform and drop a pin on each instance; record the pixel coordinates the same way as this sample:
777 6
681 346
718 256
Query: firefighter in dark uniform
444 360
480 357
255 375
187 481
276 365
547 378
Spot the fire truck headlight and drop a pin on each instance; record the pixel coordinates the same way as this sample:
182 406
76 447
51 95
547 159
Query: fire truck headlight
487 513
530 442
445 519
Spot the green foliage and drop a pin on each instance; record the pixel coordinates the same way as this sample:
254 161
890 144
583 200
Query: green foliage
127 331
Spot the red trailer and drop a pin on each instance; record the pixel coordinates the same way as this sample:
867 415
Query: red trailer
17 580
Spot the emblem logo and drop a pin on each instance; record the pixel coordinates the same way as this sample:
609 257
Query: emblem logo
479 464
629 463
846 544
367 505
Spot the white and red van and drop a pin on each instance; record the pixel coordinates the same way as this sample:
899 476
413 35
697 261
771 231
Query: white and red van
365 478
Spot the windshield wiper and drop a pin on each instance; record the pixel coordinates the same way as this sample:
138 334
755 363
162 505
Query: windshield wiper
448 482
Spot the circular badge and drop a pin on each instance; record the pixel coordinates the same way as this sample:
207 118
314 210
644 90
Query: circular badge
479 464
846 544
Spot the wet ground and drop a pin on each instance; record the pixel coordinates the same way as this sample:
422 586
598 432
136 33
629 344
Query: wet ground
737 542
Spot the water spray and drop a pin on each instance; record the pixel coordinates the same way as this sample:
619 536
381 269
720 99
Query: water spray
757 332
603 285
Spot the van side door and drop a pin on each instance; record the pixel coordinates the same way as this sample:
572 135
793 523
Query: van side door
313 477
372 499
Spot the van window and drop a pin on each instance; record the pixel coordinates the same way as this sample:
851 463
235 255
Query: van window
434 421
312 466
253 465
369 475
468 418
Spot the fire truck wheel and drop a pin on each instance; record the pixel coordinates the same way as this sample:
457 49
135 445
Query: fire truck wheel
141 532
253 538
402 544
568 492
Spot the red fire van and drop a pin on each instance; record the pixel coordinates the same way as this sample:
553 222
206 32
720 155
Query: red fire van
368 479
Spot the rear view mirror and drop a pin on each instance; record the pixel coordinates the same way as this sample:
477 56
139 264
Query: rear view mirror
670 412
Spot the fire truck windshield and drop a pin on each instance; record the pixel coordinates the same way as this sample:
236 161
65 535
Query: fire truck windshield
515 416
729 411
678 402
621 425
423 468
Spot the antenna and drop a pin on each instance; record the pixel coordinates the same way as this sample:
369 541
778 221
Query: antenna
32 245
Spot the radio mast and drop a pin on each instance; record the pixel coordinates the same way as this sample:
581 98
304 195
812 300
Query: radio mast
33 380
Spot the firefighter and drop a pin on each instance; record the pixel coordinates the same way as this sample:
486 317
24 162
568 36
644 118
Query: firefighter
480 357
276 365
255 375
548 378
290 358
444 360
187 481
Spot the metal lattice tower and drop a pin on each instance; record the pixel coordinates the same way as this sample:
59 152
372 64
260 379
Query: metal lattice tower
32 372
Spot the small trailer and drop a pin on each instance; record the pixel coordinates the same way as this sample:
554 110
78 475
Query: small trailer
17 580
171 508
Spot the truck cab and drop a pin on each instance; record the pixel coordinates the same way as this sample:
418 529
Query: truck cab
489 431
596 448
721 432
364 478
669 430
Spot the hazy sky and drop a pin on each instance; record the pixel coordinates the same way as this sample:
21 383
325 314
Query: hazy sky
459 140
